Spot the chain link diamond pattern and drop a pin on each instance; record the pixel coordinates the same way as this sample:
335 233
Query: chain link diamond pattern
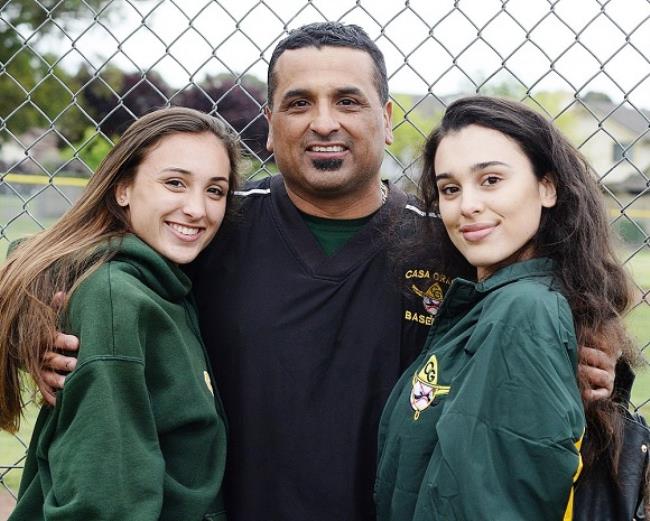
74 74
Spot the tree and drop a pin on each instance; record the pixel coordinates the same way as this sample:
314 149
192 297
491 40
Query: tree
35 91
21 17
114 99
412 122
594 95
551 104
90 150
238 100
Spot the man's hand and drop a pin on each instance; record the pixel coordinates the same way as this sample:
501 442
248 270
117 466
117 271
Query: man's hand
598 370
56 365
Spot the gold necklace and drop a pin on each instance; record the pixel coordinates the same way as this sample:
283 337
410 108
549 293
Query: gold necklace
383 191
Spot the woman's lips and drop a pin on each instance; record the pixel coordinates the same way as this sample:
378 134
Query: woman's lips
185 233
476 232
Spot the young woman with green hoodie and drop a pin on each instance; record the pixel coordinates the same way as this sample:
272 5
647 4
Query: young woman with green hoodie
138 432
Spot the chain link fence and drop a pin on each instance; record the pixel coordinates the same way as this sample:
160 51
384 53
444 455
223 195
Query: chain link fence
75 73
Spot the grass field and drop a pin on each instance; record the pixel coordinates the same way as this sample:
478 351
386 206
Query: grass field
638 322
12 451
13 448
12 227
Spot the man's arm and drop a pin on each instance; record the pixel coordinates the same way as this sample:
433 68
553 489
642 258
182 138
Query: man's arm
56 365
597 366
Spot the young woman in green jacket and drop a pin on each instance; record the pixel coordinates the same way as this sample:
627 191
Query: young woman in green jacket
138 432
488 423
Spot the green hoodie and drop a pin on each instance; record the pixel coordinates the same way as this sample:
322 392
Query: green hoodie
136 433
487 422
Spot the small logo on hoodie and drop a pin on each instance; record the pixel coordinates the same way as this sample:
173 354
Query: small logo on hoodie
208 382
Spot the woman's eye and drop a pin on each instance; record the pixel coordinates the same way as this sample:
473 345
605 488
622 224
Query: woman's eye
448 190
216 190
492 180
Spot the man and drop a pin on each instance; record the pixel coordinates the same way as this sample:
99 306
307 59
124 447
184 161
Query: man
305 326
307 346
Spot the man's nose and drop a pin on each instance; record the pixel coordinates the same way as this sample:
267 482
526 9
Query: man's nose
325 120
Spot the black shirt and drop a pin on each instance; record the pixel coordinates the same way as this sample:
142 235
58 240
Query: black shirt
305 350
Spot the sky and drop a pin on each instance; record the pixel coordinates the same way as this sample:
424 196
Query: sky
437 46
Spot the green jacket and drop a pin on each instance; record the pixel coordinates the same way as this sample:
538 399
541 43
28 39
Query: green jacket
135 434
487 422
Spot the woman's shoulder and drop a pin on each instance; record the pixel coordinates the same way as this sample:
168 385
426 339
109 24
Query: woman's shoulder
114 294
531 291
106 312
530 303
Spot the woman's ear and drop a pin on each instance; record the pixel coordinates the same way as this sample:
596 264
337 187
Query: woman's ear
122 194
547 191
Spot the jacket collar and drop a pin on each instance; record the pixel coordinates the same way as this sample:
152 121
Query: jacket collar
540 267
465 293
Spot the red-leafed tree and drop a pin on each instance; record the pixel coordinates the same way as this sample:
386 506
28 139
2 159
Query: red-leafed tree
115 99
238 100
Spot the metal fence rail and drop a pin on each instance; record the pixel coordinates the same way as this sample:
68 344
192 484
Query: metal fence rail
75 73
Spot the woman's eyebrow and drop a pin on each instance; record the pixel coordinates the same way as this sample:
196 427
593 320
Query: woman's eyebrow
487 164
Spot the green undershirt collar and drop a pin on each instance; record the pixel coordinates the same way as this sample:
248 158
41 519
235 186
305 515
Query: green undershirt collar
333 234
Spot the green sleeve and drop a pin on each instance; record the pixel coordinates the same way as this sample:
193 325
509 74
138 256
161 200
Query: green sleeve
102 448
101 444
508 432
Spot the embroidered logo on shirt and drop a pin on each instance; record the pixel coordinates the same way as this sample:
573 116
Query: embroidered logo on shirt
430 287
425 387
431 298
208 382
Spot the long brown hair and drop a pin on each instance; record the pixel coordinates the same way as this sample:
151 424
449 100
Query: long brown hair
61 257
574 233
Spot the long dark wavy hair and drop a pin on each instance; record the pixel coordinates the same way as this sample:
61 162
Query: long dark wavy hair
574 233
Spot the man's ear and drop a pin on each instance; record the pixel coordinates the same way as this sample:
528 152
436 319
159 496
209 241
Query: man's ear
548 191
269 139
388 122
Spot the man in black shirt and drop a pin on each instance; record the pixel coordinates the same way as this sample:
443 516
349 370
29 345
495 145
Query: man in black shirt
306 328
